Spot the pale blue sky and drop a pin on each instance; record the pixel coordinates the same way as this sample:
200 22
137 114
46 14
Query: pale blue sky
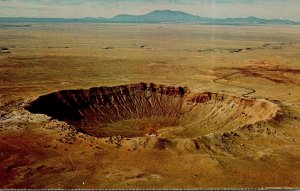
279 9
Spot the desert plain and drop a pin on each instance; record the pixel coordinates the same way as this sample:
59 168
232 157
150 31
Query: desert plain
149 106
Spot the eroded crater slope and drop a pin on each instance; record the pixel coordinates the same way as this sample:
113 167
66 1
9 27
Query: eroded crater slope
135 110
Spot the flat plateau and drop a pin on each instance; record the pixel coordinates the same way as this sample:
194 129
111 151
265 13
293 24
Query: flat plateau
149 106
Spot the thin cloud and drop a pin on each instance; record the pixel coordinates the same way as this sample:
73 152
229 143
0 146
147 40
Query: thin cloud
287 9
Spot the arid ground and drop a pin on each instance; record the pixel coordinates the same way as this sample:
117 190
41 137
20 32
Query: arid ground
171 106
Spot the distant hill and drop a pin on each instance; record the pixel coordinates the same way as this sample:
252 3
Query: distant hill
157 16
50 20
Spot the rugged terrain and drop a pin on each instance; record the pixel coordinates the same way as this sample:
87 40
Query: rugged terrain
78 108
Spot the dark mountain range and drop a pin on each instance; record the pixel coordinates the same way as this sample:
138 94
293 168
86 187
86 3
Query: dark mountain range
157 16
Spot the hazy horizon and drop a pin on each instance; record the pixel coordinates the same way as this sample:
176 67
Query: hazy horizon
276 9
